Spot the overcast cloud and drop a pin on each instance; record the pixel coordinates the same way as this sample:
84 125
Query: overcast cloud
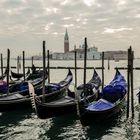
107 24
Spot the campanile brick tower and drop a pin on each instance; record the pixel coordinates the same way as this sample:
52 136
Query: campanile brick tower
66 42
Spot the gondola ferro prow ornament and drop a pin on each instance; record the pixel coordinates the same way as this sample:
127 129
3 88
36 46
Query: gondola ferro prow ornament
32 95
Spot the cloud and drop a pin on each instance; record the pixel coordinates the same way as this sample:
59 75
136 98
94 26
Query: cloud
67 18
110 30
34 20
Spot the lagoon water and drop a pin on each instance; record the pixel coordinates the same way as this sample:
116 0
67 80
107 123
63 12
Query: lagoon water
24 124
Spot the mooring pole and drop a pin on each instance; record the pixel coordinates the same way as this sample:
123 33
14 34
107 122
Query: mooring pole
102 70
8 69
48 57
75 58
1 65
23 53
44 70
128 80
18 64
132 93
108 64
32 61
85 64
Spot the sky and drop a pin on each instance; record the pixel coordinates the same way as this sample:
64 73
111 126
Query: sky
107 24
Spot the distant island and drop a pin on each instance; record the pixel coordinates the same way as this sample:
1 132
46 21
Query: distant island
92 53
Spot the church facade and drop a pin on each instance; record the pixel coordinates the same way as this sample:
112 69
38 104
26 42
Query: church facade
92 52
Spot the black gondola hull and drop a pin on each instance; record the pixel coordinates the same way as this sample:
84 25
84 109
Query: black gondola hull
54 109
44 112
68 104
18 104
10 103
95 116
15 105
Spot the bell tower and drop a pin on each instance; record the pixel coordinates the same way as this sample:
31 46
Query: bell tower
66 42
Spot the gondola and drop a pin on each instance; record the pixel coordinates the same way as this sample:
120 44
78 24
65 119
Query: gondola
20 99
35 74
18 95
19 75
110 102
28 76
68 103
20 85
4 74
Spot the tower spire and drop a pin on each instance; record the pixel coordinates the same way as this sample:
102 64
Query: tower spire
66 42
66 35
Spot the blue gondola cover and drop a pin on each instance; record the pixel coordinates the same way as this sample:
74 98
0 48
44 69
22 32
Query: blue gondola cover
101 104
116 89
22 86
3 86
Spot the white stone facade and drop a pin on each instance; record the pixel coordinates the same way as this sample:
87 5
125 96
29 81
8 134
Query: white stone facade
92 54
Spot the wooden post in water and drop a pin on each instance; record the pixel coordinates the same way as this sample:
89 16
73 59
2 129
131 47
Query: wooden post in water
75 58
8 69
1 65
102 70
23 53
85 64
108 64
48 57
128 81
32 61
44 71
17 64
132 96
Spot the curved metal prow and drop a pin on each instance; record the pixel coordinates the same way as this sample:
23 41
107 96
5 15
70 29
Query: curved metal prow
138 94
32 96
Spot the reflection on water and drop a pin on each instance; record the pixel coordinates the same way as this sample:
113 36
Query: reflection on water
9 121
103 129
65 127
23 125
70 127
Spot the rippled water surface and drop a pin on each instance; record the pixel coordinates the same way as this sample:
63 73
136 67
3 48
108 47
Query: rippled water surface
24 124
